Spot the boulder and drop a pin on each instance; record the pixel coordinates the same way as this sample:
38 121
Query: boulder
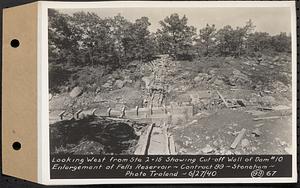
197 79
77 91
229 58
238 78
212 71
253 100
276 58
236 72
147 80
268 100
218 82
98 90
110 81
129 81
107 85
281 107
207 149
120 84
245 142
280 87
215 143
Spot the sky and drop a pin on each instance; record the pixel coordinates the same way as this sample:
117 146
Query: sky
272 20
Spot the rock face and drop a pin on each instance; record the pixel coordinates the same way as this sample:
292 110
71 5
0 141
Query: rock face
77 91
93 135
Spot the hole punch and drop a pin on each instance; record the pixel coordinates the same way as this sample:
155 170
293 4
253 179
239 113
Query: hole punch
15 43
16 146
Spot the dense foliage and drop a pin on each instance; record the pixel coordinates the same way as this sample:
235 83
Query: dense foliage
85 39
175 37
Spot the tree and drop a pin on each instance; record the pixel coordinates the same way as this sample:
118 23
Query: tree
138 42
225 40
243 35
259 41
62 48
94 39
63 43
281 42
119 28
234 41
207 37
175 37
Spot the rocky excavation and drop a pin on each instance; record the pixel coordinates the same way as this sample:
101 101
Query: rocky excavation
239 107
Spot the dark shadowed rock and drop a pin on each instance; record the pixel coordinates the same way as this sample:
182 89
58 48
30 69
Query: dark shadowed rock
94 135
256 132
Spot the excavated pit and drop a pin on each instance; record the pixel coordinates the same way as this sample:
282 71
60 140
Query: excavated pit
94 135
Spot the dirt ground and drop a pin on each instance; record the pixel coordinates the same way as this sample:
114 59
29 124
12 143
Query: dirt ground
215 133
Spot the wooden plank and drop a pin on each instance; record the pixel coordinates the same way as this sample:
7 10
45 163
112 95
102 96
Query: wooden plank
144 141
76 115
172 147
61 115
94 111
238 139
108 112
166 134
264 108
148 136
223 99
159 142
267 118
259 125
234 106
137 110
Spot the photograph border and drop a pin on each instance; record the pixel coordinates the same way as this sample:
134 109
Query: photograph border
43 105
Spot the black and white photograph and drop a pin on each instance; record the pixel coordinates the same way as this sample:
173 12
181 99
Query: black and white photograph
170 81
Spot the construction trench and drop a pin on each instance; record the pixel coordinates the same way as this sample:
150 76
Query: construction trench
149 129
155 139
146 131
